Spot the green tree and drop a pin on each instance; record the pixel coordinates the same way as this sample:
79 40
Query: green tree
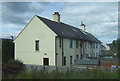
7 49
114 43
118 47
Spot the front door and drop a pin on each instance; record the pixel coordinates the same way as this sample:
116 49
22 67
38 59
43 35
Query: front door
46 61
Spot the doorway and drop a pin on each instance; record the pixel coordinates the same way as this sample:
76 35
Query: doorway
46 61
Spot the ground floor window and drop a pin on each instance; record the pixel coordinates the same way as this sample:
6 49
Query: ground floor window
64 60
81 56
77 56
70 60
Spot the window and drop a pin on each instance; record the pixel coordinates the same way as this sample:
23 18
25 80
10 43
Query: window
64 60
77 56
60 42
70 43
85 44
81 42
88 44
96 45
70 60
76 43
37 45
81 56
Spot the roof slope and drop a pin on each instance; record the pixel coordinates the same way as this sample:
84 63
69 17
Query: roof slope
64 30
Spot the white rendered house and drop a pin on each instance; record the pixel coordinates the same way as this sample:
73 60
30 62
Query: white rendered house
47 42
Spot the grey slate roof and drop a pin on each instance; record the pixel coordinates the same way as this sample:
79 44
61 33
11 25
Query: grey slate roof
87 62
65 30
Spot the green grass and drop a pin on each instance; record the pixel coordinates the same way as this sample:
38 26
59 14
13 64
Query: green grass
94 74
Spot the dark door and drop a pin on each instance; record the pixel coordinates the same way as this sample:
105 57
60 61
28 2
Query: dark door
46 61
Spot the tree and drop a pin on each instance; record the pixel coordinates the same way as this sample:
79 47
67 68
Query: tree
118 47
7 49
114 43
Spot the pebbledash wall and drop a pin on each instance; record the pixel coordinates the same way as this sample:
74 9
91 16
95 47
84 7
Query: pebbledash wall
25 43
88 51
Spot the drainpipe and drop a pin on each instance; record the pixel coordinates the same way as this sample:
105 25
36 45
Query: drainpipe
62 53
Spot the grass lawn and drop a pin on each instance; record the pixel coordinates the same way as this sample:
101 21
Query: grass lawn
93 74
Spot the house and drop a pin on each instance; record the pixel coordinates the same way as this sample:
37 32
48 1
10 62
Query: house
47 42
106 47
111 46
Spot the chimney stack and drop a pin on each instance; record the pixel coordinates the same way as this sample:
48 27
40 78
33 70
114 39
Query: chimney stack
82 26
56 17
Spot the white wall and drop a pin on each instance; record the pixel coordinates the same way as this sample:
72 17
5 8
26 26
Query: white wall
25 43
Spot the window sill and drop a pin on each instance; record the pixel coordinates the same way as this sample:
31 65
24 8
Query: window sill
37 51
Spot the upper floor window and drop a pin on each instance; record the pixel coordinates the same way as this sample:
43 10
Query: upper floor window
81 43
60 44
85 44
76 43
93 45
70 43
37 45
88 44
96 45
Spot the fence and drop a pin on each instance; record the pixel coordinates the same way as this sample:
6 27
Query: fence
67 68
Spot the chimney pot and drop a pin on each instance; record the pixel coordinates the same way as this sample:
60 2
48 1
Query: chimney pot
82 26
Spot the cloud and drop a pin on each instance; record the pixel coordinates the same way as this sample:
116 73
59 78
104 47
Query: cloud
100 18
19 12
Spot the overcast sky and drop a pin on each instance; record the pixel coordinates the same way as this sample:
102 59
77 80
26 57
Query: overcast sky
100 18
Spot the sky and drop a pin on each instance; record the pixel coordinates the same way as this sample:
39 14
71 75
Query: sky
100 18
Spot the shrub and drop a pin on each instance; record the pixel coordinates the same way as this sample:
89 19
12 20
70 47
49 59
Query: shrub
13 67
15 62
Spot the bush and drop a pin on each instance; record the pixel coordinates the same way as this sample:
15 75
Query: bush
15 62
12 67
